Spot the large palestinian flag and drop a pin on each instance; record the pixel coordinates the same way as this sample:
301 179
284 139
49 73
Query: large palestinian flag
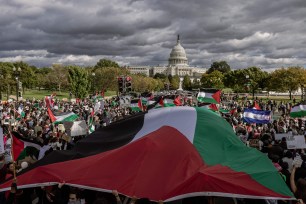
166 154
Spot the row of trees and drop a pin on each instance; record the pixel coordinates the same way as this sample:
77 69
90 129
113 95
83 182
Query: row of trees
253 79
103 76
81 81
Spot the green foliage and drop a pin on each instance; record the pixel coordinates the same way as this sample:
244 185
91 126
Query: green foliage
107 78
212 80
159 76
175 82
78 79
187 83
57 79
146 84
221 66
103 63
196 84
289 79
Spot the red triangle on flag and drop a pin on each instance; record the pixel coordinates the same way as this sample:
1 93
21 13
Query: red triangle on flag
213 107
217 96
140 104
17 147
177 101
51 115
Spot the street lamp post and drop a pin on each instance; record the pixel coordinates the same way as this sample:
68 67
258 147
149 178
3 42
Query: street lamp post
247 77
17 74
93 82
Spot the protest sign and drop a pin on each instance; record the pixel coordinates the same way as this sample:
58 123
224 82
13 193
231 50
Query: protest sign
76 128
279 136
1 142
296 142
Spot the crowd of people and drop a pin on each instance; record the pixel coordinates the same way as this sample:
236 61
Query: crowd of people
35 124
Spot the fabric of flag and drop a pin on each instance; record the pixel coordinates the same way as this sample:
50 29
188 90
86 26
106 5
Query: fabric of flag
298 111
209 96
225 111
233 111
256 106
62 117
177 101
49 101
21 113
136 105
165 154
213 107
91 125
19 144
257 116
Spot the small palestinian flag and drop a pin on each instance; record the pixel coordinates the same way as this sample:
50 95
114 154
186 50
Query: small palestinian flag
136 105
166 154
20 114
20 146
61 117
209 96
298 111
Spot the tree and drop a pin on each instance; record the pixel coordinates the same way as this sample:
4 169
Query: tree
291 79
196 84
212 80
57 79
7 80
257 79
187 83
27 75
175 82
221 66
107 78
103 63
235 80
78 79
159 76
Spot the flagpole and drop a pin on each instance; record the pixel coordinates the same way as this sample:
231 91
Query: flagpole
12 154
12 145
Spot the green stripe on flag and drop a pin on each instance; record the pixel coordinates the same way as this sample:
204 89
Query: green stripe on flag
218 144
70 118
298 111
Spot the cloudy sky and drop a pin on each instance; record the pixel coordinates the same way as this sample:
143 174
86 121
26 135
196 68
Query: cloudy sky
268 34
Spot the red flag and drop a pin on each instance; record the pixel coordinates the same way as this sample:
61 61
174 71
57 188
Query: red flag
233 111
51 115
49 101
256 106
140 104
177 101
213 107
217 96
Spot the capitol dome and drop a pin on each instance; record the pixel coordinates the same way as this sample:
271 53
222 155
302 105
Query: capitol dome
178 55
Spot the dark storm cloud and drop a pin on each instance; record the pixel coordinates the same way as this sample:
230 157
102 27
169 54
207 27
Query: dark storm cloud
261 33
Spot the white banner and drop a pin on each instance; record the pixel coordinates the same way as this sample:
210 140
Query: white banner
76 128
1 142
279 136
296 142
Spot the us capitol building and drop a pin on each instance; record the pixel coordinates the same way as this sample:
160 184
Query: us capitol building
178 65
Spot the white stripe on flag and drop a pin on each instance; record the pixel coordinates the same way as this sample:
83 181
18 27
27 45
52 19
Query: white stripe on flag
157 118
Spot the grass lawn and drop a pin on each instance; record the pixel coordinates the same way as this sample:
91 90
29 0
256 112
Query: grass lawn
30 94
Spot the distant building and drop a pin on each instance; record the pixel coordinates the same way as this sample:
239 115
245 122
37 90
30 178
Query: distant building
177 65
